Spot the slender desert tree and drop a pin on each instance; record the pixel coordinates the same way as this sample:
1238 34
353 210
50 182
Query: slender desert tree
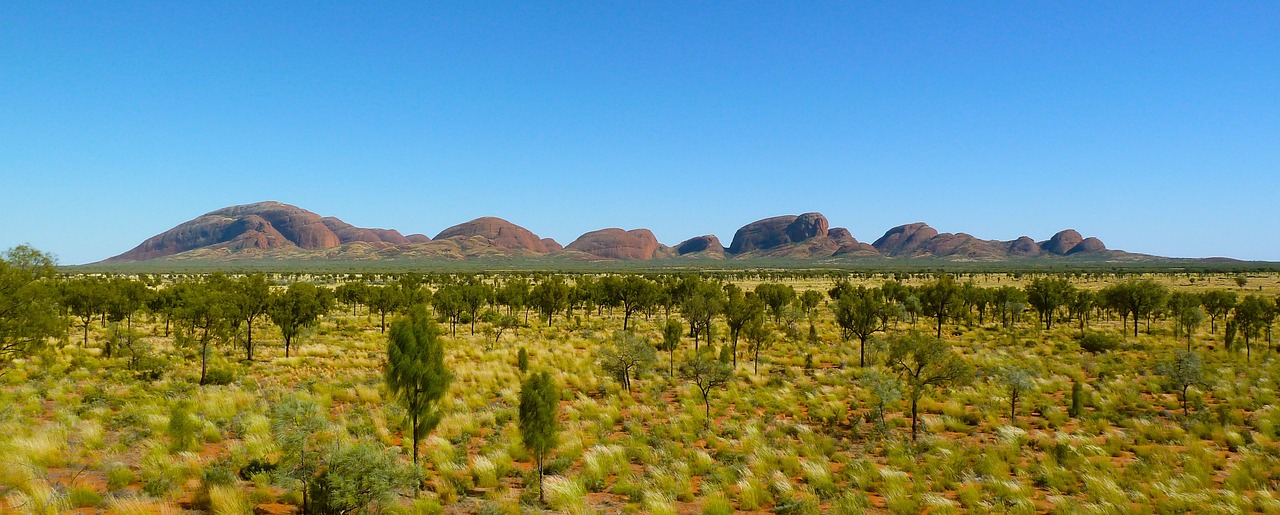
539 405
923 363
415 372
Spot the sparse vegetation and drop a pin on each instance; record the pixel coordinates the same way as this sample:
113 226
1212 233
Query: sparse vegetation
1054 421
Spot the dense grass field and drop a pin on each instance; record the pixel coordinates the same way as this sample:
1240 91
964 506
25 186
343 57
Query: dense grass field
799 428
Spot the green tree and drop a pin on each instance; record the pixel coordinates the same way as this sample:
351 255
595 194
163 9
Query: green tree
885 390
671 333
125 297
551 296
206 312
450 305
1179 305
707 373
940 299
415 372
859 313
1185 370
474 296
252 298
164 302
514 294
635 293
182 427
1047 294
296 309
1217 304
360 478
1138 298
539 406
352 294
1190 320
776 296
809 301
412 290
1016 382
296 424
626 355
923 363
1009 302
385 300
704 303
499 323
85 298
1250 316
758 336
740 310
1077 399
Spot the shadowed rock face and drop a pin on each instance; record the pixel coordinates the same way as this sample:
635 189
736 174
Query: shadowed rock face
348 233
614 243
1024 246
552 245
263 225
500 232
699 244
1089 244
904 239
1062 242
418 238
841 236
778 231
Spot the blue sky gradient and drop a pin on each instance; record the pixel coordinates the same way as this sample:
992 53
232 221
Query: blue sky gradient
1154 126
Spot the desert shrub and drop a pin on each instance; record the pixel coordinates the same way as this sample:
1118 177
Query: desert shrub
564 494
716 505
84 497
851 502
182 427
229 500
219 376
1098 343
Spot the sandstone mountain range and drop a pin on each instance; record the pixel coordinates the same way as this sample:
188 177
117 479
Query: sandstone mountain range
274 230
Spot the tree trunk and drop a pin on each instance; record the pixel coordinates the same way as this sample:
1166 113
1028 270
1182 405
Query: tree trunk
204 354
706 403
914 400
1013 407
862 352
248 342
414 431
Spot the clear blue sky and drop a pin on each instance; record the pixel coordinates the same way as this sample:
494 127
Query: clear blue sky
1154 126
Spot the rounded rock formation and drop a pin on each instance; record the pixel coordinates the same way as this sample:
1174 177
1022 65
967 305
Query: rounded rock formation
1062 242
498 231
777 231
699 244
1024 246
1089 244
552 245
904 239
614 243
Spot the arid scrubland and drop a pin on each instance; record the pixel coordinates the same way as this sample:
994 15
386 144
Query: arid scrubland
1180 417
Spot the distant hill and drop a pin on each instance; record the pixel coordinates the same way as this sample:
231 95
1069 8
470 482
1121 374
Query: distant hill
274 230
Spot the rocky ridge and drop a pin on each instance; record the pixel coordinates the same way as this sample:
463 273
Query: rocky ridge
274 230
